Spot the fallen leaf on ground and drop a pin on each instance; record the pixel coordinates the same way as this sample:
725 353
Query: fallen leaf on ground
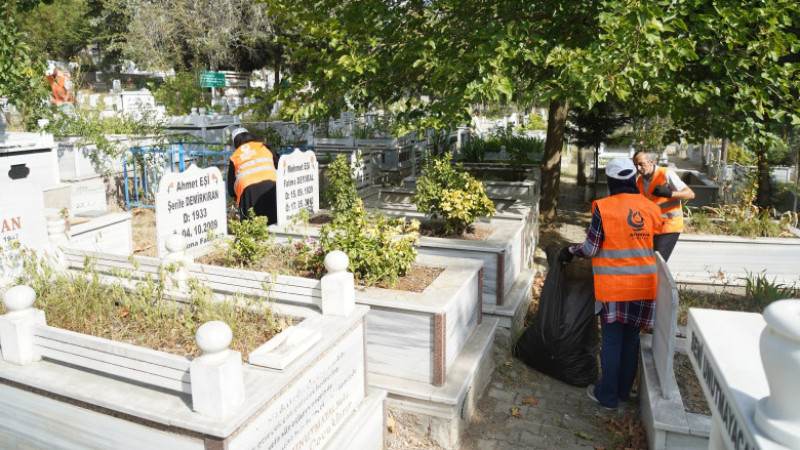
508 363
583 435
515 413
390 424
529 401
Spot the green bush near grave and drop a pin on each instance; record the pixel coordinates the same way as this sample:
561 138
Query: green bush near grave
451 193
181 93
380 248
251 239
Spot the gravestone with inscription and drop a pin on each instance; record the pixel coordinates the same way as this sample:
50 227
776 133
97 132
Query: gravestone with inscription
297 187
192 204
22 224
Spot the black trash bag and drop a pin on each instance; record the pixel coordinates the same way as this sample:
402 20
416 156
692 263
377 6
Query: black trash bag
562 339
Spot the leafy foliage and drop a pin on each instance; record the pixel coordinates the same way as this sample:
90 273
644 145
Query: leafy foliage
452 193
380 248
761 291
181 93
251 239
341 193
745 220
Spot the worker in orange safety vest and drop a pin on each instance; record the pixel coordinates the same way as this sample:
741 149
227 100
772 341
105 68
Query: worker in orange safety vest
666 189
60 85
625 272
252 176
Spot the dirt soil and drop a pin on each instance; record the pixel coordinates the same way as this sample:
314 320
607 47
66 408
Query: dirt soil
691 392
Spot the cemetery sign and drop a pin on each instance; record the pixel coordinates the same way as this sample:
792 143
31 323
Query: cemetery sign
297 186
212 79
192 204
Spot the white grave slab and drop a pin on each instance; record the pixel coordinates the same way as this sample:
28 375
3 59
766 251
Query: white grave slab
302 418
297 187
22 220
192 204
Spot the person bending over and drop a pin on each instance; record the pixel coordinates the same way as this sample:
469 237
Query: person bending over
252 176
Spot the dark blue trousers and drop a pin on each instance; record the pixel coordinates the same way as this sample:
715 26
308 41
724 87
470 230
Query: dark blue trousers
619 359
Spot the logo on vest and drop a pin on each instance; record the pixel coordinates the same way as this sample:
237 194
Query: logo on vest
635 220
247 152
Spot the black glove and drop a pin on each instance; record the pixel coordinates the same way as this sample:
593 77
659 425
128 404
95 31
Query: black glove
565 255
662 190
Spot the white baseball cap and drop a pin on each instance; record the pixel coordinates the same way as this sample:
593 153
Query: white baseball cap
238 131
620 169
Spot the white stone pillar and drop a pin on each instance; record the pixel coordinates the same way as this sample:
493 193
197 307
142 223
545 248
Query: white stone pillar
338 285
174 264
216 375
778 415
18 325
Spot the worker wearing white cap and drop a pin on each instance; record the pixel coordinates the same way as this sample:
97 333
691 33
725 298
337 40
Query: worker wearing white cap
620 243
252 176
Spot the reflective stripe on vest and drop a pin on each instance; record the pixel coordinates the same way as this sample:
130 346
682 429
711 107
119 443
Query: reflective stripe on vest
670 209
625 267
253 164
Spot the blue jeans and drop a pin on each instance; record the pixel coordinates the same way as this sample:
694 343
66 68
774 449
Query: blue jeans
619 358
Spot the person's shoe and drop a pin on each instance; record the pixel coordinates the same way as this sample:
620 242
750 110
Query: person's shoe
590 393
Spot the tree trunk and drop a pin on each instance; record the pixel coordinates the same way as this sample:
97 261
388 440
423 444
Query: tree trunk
723 158
581 167
763 192
551 160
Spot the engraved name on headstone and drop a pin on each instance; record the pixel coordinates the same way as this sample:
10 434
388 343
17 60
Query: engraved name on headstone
308 413
297 186
22 224
192 204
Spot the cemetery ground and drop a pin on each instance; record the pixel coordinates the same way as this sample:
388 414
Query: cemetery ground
522 408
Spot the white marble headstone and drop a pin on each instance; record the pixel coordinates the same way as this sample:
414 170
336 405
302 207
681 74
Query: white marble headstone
297 187
192 204
22 220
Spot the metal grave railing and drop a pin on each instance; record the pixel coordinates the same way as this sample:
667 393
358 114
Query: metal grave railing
144 167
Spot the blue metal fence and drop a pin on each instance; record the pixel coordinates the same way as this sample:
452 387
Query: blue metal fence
144 167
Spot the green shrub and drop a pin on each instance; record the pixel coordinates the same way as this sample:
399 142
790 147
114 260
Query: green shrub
452 193
181 93
380 248
251 239
761 291
341 193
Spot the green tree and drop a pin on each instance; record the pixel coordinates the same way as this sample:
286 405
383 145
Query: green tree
593 127
21 68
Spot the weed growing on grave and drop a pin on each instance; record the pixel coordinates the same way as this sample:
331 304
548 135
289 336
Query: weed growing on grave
450 192
761 291
251 239
380 248
740 220
134 308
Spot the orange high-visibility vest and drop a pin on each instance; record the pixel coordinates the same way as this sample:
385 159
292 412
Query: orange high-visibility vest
670 208
58 86
253 164
625 267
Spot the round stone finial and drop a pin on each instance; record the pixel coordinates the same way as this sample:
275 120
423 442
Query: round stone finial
19 298
175 243
336 261
213 337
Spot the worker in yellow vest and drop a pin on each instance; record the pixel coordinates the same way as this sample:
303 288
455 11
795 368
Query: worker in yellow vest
60 87
666 189
252 176
620 243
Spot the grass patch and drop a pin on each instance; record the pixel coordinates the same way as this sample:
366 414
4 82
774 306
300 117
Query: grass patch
760 291
736 220
138 312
